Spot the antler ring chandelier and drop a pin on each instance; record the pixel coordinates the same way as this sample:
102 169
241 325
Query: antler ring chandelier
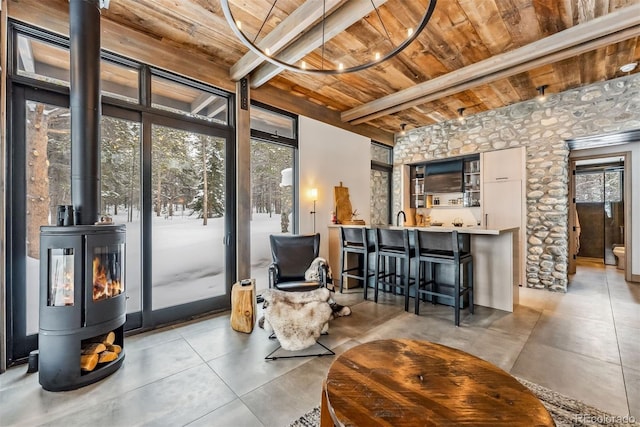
329 24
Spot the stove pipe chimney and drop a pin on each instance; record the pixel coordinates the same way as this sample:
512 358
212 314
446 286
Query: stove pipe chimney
84 34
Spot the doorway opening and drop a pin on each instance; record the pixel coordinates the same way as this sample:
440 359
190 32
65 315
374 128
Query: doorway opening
599 201
600 210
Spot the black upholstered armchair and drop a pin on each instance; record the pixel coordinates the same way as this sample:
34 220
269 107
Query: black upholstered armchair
292 256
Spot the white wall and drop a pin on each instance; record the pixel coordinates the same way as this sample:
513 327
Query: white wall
329 155
634 148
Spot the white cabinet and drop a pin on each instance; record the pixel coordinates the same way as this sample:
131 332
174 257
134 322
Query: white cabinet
503 195
503 165
502 204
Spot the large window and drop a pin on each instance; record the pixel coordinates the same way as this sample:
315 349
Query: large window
189 99
120 81
48 184
165 167
273 153
42 60
120 190
188 182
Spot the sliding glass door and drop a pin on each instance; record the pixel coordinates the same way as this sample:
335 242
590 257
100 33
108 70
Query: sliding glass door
189 219
179 253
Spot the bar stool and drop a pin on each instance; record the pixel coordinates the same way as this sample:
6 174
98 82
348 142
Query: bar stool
355 240
393 245
444 248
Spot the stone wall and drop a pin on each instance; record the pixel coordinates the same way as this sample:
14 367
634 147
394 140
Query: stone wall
379 197
543 128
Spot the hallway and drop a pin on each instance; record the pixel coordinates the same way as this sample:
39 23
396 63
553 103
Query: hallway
583 344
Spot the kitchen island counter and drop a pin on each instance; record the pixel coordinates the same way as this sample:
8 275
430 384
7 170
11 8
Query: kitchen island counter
464 229
495 260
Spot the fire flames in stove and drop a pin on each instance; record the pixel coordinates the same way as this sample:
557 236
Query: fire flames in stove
107 281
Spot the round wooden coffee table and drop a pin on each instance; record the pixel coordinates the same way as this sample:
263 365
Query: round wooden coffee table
410 383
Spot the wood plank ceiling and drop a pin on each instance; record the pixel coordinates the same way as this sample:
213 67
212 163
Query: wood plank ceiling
459 37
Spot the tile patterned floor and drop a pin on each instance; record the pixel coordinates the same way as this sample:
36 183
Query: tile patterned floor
585 344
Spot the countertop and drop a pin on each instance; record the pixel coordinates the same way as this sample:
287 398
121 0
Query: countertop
464 229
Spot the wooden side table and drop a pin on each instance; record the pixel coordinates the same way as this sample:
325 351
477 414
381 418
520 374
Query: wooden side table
243 306
419 383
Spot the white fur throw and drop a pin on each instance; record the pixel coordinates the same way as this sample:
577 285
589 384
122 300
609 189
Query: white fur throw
297 318
313 272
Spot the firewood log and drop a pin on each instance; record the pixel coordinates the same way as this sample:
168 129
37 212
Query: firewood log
114 348
93 348
105 339
107 356
88 362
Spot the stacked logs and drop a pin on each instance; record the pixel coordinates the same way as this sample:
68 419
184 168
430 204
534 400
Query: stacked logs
100 349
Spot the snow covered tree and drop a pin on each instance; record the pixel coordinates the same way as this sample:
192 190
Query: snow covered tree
209 201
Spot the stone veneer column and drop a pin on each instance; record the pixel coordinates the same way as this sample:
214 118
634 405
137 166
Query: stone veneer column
543 128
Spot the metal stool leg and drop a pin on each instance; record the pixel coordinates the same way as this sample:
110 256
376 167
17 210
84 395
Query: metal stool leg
342 259
470 285
456 294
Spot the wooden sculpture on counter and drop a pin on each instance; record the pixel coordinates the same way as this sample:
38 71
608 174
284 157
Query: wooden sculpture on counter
344 211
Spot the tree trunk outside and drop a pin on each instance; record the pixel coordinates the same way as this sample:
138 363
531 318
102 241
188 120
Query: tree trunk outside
130 204
38 199
205 196
159 196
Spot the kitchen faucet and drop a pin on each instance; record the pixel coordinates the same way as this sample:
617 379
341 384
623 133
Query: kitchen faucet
404 218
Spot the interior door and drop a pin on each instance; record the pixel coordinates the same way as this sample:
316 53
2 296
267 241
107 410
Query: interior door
574 227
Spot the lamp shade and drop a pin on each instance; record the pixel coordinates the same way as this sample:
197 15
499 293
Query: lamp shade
313 193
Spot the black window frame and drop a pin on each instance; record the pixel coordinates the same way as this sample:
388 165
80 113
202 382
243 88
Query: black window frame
146 318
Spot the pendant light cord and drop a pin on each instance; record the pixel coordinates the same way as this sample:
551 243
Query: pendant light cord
384 27
265 20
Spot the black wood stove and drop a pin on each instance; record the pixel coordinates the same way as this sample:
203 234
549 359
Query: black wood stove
82 299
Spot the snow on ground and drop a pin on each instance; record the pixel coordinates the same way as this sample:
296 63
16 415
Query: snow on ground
187 258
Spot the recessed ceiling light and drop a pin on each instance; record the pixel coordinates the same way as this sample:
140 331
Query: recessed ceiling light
627 68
